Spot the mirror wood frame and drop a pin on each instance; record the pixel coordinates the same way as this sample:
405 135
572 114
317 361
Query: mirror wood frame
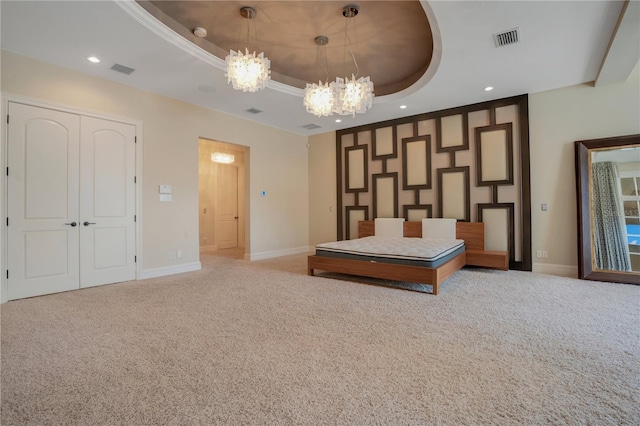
583 150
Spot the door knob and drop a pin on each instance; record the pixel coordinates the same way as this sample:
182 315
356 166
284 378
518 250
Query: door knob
71 224
89 223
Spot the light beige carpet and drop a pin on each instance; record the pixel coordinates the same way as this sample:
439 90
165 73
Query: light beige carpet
262 343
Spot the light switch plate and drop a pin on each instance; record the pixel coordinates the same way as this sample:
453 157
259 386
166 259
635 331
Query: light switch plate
165 189
165 197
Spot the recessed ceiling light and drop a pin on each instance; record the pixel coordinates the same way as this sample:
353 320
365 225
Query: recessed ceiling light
93 59
403 107
338 120
488 89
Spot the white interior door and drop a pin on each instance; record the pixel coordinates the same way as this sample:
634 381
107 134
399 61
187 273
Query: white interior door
43 158
227 207
107 202
70 201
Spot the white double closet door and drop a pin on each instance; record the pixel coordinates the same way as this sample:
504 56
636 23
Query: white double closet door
70 203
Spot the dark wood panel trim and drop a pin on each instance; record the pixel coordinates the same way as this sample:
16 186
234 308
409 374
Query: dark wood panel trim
427 140
375 178
508 128
349 209
407 207
467 190
394 144
510 207
364 149
525 166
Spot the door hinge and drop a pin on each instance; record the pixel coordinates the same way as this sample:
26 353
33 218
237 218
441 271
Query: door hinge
7 118
135 139
135 259
135 179
135 218
7 274
7 221
7 171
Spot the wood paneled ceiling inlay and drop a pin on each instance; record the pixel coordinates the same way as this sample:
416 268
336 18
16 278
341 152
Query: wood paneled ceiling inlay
394 38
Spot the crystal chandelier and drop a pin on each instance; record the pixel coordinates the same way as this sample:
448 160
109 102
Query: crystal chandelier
352 96
247 72
344 96
319 99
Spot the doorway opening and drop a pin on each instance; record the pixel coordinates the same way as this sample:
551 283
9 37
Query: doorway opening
221 193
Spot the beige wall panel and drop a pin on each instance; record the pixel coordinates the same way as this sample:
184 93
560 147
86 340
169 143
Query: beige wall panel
496 225
427 127
416 164
375 167
493 157
356 160
364 138
384 141
478 194
354 217
384 197
429 196
347 140
452 131
404 131
417 215
404 198
453 197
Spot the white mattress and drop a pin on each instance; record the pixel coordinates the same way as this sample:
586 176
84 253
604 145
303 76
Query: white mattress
427 249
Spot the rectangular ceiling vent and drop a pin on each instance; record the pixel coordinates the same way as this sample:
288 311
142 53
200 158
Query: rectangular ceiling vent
311 126
254 110
122 69
507 37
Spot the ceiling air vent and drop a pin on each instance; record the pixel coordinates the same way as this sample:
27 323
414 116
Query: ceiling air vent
311 126
507 37
122 69
254 110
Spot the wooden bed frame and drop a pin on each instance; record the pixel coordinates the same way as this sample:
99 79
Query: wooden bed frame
471 232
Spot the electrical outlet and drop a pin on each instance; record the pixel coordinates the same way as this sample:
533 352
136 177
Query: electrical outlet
538 253
179 254
171 255
545 254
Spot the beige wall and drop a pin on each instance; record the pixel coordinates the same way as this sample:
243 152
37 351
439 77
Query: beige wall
322 189
557 118
278 222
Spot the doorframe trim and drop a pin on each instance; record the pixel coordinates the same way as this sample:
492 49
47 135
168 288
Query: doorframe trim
6 98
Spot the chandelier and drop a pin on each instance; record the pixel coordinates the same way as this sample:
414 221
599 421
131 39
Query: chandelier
319 99
344 96
247 72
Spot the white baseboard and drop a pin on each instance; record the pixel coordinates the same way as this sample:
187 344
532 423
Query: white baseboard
276 253
559 270
169 270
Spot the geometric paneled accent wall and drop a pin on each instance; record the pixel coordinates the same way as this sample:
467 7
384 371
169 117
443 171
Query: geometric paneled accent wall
470 163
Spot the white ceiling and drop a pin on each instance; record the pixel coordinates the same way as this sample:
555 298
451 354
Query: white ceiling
562 44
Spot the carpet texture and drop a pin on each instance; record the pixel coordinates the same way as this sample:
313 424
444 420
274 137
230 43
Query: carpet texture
262 343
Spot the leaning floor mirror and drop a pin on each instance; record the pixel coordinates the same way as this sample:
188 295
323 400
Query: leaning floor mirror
608 185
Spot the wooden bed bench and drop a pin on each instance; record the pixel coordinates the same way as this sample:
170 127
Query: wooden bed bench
474 255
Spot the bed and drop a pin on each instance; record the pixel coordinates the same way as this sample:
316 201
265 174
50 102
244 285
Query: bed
368 263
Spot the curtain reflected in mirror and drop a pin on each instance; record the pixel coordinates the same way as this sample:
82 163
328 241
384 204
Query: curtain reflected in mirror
608 182
611 250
